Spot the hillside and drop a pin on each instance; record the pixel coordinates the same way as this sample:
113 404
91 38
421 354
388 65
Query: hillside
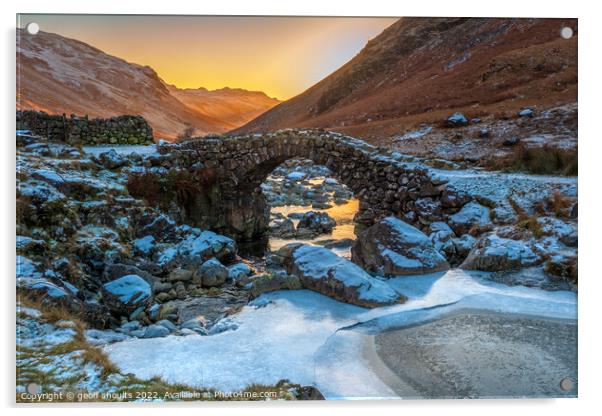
61 75
419 70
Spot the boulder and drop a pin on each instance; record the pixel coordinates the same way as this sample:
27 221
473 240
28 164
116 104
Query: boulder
315 223
526 112
320 270
211 273
111 159
392 247
492 253
471 215
156 331
272 282
180 275
456 120
126 294
198 249
239 271
282 227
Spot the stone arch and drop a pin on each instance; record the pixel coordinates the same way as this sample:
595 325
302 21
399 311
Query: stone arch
384 182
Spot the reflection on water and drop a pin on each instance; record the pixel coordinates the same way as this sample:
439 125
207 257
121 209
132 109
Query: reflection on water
343 214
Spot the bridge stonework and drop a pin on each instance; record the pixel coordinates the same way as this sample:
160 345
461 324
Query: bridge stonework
385 182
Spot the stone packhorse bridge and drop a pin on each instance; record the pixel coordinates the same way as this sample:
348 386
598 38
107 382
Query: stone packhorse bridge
386 183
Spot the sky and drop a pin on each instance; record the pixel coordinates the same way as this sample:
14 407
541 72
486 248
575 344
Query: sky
282 56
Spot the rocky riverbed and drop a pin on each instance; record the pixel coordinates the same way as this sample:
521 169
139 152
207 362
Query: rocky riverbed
143 282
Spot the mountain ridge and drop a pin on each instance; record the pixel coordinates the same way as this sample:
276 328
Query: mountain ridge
57 74
423 69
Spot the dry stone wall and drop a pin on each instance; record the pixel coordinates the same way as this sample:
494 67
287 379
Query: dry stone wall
77 130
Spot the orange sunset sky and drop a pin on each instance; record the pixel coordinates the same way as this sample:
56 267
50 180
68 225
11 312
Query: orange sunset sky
281 56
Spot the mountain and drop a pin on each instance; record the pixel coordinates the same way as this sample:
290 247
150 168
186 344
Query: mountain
423 69
61 75
232 106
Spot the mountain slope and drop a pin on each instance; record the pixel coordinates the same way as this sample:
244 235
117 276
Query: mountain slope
60 75
421 69
232 106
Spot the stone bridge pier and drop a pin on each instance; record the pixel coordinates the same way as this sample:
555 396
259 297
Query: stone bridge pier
386 183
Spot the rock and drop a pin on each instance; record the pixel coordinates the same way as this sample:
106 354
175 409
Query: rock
296 176
471 215
28 245
144 245
223 325
512 141
161 228
526 112
452 198
492 253
320 270
456 249
272 282
98 338
117 270
208 244
180 275
392 247
440 234
111 159
484 133
239 271
126 294
315 223
456 120
211 273
168 324
309 393
156 331
282 227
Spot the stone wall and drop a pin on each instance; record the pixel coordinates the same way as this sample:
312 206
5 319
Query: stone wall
77 130
386 183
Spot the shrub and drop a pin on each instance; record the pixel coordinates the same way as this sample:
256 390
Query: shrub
178 184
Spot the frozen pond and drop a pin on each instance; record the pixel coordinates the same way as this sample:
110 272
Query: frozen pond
311 339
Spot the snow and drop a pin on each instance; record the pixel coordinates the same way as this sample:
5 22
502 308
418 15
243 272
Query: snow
121 150
405 233
129 288
145 244
414 134
472 214
512 249
320 263
296 176
311 339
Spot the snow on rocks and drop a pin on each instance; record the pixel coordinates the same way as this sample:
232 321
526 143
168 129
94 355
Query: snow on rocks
471 215
492 253
392 247
144 245
126 294
321 270
456 120
239 271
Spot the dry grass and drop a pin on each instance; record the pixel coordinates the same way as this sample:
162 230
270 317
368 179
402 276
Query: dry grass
544 160
526 221
130 387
